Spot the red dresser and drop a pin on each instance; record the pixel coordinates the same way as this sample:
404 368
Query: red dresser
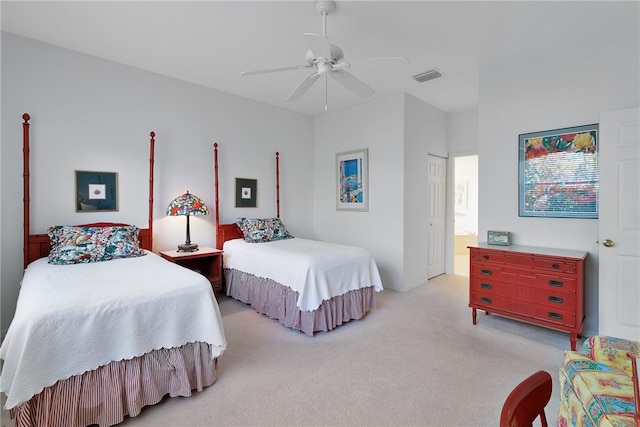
544 286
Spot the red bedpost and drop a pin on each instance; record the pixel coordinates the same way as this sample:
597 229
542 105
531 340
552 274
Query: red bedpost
215 187
25 187
152 145
277 184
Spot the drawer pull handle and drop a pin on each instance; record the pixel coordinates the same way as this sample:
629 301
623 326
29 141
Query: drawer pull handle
555 299
485 299
554 315
485 257
556 283
555 266
486 272
485 286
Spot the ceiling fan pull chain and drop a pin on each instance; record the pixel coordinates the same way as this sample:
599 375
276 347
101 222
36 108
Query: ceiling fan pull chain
326 93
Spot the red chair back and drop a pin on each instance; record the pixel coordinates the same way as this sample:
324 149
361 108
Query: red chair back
527 401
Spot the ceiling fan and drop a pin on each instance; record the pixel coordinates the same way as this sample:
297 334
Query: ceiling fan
327 59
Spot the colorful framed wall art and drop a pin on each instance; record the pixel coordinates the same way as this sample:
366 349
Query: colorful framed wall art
558 173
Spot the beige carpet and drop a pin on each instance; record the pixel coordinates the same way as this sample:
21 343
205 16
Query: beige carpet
416 360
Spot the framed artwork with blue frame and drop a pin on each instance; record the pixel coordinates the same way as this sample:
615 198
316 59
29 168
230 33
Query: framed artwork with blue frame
558 174
352 181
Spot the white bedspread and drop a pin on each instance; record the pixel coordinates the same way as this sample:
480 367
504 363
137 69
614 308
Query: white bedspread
74 318
318 271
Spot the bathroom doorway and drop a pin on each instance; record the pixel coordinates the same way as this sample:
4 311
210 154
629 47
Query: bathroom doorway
465 219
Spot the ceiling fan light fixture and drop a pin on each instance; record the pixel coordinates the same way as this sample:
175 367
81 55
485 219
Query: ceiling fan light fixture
324 68
431 74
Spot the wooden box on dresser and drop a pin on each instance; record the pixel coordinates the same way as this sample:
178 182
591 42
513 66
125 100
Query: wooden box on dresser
544 286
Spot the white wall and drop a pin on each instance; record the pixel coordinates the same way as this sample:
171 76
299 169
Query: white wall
535 96
377 126
463 132
91 114
425 132
399 131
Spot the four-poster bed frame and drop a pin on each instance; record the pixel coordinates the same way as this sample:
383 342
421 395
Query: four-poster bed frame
38 245
226 232
84 380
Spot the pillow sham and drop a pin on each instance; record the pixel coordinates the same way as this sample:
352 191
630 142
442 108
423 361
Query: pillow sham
75 245
260 230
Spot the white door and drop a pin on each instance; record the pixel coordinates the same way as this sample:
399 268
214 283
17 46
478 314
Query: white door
619 235
436 197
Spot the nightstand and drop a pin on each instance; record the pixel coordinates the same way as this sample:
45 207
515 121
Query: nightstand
206 261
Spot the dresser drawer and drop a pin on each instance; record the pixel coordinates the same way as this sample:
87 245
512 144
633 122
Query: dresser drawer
537 262
545 297
500 304
565 284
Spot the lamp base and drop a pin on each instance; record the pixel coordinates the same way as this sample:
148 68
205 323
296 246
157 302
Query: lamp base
187 247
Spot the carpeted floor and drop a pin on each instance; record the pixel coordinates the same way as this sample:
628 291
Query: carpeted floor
416 360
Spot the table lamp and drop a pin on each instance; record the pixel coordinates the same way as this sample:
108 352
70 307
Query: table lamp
187 204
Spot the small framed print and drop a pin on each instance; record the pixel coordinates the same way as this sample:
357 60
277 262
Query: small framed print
352 180
502 238
96 191
246 193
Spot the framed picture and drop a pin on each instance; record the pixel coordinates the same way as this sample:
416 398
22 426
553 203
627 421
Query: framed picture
460 196
246 193
96 191
352 181
558 173
502 238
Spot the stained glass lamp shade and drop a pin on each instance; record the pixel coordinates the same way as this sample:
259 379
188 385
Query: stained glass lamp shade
187 205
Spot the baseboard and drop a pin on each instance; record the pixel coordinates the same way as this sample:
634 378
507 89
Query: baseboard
415 284
407 287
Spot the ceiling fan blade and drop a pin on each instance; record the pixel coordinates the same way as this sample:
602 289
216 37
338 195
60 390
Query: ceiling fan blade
341 65
274 70
352 83
303 87
319 46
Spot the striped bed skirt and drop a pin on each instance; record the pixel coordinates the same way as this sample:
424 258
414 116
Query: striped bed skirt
279 302
107 394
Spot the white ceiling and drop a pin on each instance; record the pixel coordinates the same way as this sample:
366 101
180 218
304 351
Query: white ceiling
210 42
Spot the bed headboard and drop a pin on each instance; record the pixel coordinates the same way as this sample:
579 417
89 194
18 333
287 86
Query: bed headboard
226 232
38 245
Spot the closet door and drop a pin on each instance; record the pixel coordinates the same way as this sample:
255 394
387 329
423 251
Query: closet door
436 209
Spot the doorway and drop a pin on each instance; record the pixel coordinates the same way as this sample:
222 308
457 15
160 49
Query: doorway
465 210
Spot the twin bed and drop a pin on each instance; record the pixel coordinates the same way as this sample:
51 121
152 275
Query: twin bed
107 327
104 327
306 285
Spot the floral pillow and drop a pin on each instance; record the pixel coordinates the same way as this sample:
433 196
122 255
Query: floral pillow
75 245
259 230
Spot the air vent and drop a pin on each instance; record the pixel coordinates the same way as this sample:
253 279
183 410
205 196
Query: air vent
434 73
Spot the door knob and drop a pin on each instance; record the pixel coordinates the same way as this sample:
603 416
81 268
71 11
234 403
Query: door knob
608 243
